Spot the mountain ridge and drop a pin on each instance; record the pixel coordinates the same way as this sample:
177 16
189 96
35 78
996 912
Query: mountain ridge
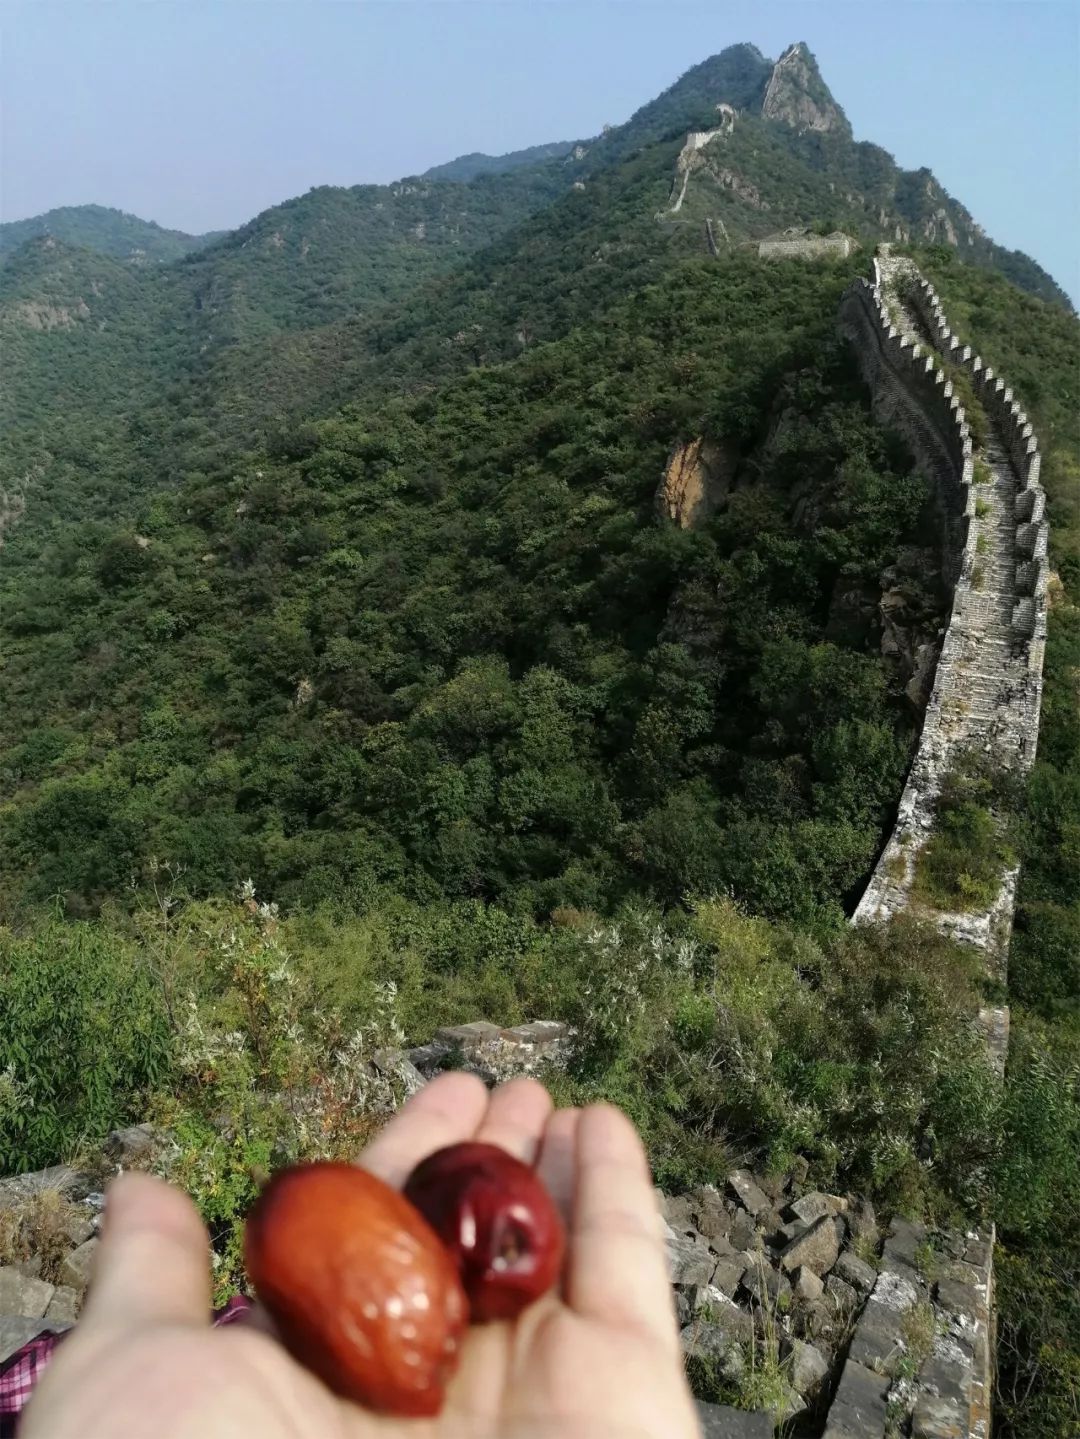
107 230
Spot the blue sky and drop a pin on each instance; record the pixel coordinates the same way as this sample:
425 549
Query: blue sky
200 113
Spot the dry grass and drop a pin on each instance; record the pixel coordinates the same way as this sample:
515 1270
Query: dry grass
37 1227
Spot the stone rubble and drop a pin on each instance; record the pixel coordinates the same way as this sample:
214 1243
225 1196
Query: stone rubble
760 1266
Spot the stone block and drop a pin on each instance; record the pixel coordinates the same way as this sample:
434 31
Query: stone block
727 1276
63 1306
961 1301
861 1221
17 1330
807 1365
814 1206
76 1269
718 1421
712 1215
689 1259
843 1295
858 1410
856 1272
765 1284
22 1294
818 1248
743 1233
806 1284
746 1190
878 1340
67 1181
903 1242
404 1076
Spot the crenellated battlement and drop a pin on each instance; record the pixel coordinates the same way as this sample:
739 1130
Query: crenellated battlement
987 688
988 683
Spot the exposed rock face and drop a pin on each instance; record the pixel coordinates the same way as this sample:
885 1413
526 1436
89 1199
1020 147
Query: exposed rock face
797 95
37 315
695 483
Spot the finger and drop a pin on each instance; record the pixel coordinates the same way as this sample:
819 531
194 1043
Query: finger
515 1118
558 1158
445 1111
617 1271
153 1263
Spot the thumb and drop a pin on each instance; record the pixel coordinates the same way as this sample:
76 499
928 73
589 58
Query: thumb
153 1263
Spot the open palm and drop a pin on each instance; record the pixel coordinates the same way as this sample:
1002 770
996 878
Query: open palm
598 1361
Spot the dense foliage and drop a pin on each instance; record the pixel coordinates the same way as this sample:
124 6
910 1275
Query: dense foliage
109 232
442 644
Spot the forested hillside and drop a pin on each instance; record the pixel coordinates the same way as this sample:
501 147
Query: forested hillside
109 232
344 572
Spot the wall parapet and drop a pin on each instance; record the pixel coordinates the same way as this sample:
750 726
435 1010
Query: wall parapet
987 687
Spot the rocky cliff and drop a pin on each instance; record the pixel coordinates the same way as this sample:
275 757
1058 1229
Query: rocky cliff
797 95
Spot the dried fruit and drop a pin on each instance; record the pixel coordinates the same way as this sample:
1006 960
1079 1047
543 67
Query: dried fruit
498 1221
362 1291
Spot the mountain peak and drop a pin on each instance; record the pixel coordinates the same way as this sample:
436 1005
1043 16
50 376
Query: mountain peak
797 95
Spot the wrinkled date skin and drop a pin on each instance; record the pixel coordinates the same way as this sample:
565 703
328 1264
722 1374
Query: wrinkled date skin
497 1220
362 1291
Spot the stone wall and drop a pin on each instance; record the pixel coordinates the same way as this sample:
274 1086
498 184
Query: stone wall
806 247
987 686
1022 447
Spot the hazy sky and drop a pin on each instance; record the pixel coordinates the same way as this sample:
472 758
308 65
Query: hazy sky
200 113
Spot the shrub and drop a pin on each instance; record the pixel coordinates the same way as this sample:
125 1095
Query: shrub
83 1039
960 866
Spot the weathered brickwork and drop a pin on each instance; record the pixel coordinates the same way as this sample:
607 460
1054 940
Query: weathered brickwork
986 698
988 685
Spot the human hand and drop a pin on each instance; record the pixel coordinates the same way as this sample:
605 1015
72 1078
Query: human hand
600 1360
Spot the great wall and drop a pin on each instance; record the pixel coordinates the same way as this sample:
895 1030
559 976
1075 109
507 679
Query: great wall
988 684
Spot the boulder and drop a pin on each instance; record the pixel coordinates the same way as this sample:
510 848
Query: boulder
861 1221
61 1177
126 1147
677 1211
23 1295
712 1215
743 1185
816 1249
814 1206
800 1168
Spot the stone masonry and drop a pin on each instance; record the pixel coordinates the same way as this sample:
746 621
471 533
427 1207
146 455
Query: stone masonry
988 686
